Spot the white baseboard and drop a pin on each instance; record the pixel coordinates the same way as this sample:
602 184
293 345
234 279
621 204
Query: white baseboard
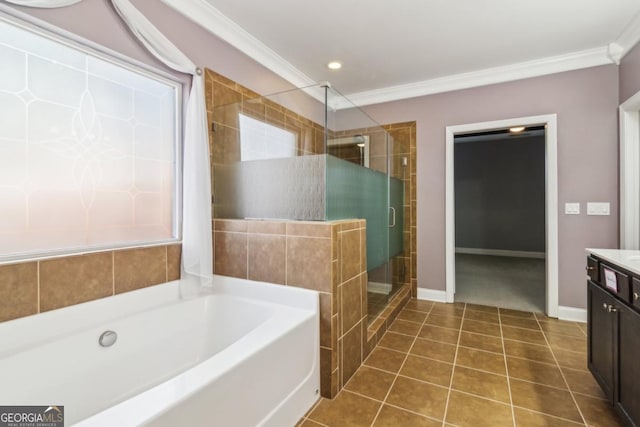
500 252
432 295
573 314
379 288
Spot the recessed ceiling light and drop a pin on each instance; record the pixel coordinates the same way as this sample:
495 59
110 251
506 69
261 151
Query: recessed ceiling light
516 129
334 65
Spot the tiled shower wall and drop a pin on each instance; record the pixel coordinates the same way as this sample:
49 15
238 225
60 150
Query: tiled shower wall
403 144
310 254
226 98
404 138
48 284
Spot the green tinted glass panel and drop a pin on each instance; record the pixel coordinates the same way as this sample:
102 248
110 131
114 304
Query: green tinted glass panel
357 192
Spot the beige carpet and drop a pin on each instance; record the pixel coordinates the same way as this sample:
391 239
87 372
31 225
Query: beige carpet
506 282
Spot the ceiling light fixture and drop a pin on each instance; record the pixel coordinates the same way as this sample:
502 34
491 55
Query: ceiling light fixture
516 129
334 65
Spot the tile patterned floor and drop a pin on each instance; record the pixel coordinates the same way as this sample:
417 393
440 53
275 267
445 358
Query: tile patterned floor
471 365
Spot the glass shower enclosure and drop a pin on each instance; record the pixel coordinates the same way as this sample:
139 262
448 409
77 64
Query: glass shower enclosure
310 154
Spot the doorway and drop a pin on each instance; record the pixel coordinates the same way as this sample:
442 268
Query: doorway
547 124
629 113
499 189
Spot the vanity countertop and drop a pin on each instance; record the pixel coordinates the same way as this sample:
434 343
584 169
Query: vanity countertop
625 258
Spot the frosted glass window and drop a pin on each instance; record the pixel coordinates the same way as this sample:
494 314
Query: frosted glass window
87 148
260 140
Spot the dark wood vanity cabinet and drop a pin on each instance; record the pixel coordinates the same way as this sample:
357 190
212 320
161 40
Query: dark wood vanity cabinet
600 342
627 396
614 341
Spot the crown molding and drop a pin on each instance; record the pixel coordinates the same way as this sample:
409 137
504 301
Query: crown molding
211 19
626 41
522 70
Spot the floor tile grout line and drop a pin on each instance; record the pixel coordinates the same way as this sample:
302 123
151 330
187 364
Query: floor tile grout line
547 415
453 370
362 395
400 369
423 381
316 422
479 396
512 339
570 351
478 370
481 349
391 404
590 395
310 411
412 412
581 335
382 403
575 402
506 369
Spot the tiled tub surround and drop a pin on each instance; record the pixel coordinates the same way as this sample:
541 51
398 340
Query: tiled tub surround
329 257
469 365
48 284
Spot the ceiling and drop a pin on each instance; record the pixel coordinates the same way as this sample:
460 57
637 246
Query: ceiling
404 48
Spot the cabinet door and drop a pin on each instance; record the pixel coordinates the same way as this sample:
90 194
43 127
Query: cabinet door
600 337
628 390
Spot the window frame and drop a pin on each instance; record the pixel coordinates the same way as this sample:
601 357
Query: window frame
58 35
266 125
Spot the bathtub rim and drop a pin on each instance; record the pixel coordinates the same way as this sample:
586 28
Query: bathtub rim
51 325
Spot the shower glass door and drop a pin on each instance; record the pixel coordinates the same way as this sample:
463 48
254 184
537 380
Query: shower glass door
362 183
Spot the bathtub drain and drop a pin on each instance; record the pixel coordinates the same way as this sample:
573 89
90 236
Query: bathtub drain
107 338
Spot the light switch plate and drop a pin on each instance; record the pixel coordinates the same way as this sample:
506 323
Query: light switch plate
598 208
572 208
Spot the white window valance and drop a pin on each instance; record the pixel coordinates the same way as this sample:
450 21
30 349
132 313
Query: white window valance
44 3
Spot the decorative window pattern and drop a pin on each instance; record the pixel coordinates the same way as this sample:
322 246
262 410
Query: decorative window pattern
87 148
260 140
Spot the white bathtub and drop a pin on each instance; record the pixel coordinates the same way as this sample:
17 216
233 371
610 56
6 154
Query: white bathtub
239 354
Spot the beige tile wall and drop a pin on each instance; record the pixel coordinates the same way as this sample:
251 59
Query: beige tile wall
404 137
301 254
329 257
48 284
226 98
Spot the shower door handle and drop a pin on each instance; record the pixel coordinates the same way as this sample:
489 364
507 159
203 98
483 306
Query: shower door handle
393 211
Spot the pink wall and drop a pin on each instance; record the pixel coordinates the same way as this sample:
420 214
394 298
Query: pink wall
97 21
585 102
630 74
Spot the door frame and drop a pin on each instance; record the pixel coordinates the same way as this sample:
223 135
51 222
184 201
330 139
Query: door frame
551 199
630 173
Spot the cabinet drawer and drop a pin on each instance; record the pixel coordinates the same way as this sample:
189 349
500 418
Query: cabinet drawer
635 293
592 269
615 282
